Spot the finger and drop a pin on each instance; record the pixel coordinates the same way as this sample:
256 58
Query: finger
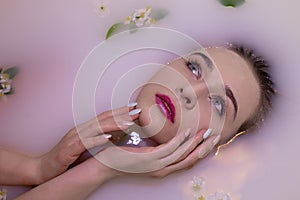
171 146
107 114
197 139
208 145
96 129
110 125
174 156
122 121
119 122
96 141
118 111
200 136
184 149
199 153
94 123
127 117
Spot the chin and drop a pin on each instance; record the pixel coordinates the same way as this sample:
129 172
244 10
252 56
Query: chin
164 136
154 125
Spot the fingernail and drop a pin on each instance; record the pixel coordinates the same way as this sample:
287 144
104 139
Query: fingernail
107 136
127 123
207 134
216 140
135 111
132 104
187 132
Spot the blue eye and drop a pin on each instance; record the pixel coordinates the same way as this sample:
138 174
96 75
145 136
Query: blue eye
219 104
194 67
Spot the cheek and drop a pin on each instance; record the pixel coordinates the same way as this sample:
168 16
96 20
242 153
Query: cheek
155 125
229 129
199 117
166 134
205 115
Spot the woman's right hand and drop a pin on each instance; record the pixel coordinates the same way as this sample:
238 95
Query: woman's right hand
195 154
82 137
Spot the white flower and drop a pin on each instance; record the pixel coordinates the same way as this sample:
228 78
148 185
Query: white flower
5 84
5 88
3 194
198 184
102 8
128 20
140 17
218 196
4 78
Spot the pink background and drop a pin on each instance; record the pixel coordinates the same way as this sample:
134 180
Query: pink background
48 40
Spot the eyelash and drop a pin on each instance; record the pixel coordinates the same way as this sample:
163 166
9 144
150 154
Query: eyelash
194 66
219 104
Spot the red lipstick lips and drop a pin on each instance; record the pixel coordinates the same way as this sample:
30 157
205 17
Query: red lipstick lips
166 106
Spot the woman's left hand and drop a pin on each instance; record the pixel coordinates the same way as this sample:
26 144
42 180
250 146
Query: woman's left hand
80 138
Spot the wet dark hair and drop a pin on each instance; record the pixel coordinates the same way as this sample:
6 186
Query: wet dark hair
260 69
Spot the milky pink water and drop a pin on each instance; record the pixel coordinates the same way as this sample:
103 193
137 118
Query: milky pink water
48 40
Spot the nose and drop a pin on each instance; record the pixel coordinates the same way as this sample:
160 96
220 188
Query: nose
190 94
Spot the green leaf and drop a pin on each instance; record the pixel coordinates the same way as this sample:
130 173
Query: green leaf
159 14
12 72
232 3
118 27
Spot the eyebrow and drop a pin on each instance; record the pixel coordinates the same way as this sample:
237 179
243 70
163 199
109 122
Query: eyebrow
229 93
206 59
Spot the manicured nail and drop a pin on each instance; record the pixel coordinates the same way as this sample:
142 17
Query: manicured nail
107 136
132 104
187 132
216 140
127 123
135 111
207 134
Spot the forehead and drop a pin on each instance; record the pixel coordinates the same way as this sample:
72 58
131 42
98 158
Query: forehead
238 75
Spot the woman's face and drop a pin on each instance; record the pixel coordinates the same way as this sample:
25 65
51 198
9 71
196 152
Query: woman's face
198 93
